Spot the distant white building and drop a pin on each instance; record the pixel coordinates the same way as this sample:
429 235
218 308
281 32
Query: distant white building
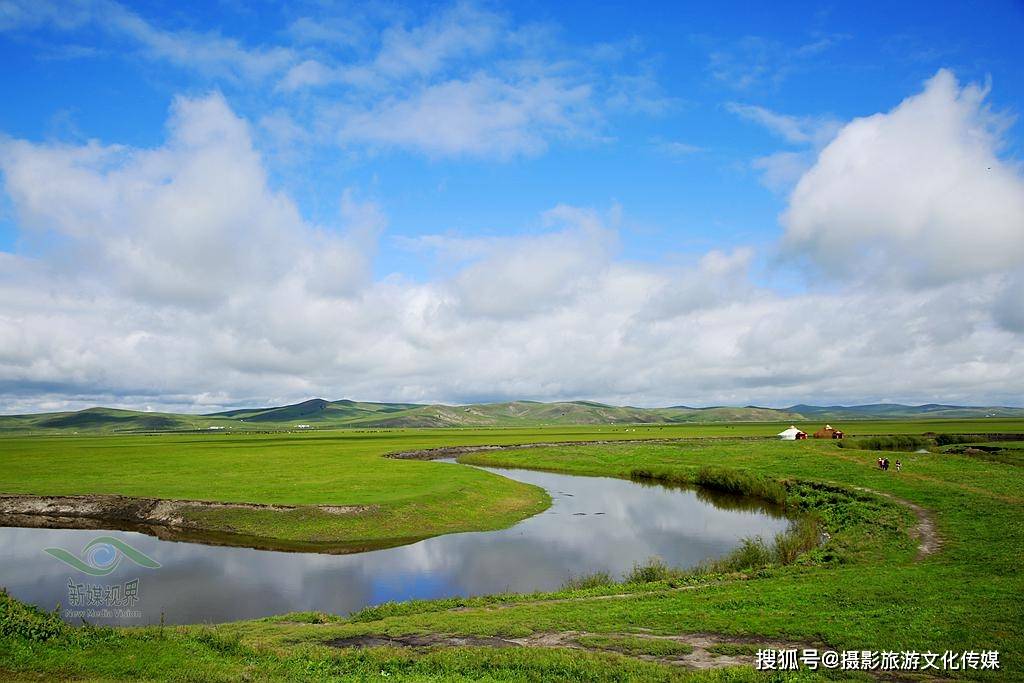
792 434
302 426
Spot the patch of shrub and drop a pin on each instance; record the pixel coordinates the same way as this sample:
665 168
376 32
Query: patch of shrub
803 535
897 442
594 580
654 569
27 621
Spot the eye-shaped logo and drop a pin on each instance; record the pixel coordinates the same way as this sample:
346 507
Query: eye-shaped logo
103 555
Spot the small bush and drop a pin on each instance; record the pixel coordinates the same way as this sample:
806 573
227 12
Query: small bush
27 621
595 580
802 536
752 554
653 570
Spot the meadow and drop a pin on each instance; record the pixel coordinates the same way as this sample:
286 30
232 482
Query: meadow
400 500
925 559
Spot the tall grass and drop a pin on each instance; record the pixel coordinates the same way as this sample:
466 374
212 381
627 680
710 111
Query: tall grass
722 479
593 580
741 483
752 554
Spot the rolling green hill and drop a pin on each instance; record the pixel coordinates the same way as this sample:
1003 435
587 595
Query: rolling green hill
318 413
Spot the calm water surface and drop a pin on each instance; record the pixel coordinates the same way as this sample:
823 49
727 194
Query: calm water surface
594 524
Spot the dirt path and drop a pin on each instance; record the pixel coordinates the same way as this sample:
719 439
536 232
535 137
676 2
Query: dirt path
697 651
928 540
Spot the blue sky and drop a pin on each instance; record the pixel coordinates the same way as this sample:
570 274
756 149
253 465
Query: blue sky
409 152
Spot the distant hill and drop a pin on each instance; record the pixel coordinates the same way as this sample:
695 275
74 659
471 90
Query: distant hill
900 411
323 414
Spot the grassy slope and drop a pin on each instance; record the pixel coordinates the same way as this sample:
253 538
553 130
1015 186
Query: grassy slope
873 594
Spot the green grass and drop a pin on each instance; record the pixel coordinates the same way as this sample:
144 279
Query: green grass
864 588
732 649
632 645
409 499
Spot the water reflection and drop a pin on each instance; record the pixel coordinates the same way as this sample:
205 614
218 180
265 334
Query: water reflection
594 524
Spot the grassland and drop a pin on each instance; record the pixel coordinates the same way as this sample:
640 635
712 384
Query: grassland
867 587
400 500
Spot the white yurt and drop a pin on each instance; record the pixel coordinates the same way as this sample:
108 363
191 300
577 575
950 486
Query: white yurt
791 434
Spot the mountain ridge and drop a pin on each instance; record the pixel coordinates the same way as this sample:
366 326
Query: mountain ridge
346 413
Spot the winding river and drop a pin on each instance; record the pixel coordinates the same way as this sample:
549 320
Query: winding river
594 524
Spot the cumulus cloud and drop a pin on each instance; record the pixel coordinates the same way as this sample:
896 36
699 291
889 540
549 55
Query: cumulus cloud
191 223
177 276
917 194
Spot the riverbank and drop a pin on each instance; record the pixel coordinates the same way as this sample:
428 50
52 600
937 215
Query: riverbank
285 492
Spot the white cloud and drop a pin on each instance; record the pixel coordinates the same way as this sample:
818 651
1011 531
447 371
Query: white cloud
780 170
811 130
456 32
210 53
191 223
459 79
177 276
479 116
755 61
676 148
918 193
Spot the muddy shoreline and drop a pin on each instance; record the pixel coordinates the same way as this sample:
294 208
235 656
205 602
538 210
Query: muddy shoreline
168 520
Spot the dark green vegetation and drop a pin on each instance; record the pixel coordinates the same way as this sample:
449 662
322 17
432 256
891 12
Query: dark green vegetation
900 442
320 414
869 586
